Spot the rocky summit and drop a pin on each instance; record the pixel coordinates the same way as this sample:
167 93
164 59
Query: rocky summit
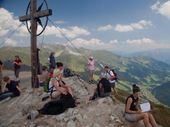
102 112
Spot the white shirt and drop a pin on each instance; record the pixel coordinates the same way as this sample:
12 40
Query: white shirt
108 75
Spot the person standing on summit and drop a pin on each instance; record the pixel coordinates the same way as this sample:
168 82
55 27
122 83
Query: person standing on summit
90 69
17 65
52 62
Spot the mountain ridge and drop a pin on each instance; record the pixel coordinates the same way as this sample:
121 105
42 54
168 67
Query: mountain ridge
147 72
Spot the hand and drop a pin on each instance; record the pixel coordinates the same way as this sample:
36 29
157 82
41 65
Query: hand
64 92
138 112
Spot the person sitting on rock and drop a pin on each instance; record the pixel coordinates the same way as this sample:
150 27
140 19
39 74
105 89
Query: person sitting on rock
133 113
11 89
103 89
110 76
56 85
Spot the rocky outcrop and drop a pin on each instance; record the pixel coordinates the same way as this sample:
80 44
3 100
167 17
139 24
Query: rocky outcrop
103 112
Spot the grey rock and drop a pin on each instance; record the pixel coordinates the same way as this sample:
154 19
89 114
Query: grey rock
70 111
71 123
95 125
33 114
75 111
5 100
102 100
66 119
32 125
79 117
60 117
85 117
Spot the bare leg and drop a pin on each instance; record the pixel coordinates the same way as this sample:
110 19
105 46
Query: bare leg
152 120
146 120
69 89
91 75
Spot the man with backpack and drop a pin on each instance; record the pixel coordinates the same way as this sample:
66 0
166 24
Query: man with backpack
110 75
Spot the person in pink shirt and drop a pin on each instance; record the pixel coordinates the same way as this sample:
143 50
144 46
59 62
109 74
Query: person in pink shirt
90 69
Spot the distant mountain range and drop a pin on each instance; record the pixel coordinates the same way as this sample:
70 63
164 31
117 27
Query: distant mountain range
147 72
158 54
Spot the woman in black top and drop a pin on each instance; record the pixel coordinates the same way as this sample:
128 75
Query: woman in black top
11 90
133 113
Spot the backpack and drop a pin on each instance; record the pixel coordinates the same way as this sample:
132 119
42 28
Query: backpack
59 106
115 74
67 72
46 84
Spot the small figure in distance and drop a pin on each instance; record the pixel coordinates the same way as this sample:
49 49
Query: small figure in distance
17 66
90 69
52 62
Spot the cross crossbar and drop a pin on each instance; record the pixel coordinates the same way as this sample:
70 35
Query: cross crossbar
38 14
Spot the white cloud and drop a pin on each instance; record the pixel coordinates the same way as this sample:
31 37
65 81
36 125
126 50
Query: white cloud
93 43
133 26
10 42
114 42
10 23
105 28
3 32
155 6
70 32
143 41
163 9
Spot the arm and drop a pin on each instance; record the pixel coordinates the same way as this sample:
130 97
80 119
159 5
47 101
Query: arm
20 62
112 76
127 108
18 88
56 85
138 104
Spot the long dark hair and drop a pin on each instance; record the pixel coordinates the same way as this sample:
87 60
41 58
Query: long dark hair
135 88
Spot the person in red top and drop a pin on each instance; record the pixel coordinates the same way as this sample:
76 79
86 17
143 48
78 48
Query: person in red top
17 65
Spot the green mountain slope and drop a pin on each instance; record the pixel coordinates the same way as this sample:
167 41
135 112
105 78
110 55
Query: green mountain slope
162 92
146 72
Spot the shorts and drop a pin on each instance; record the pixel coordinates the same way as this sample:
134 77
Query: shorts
132 117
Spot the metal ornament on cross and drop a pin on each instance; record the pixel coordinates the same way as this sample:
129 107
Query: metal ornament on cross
47 12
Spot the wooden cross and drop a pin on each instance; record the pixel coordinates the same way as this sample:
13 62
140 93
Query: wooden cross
33 18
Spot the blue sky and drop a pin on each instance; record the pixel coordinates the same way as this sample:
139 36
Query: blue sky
115 25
